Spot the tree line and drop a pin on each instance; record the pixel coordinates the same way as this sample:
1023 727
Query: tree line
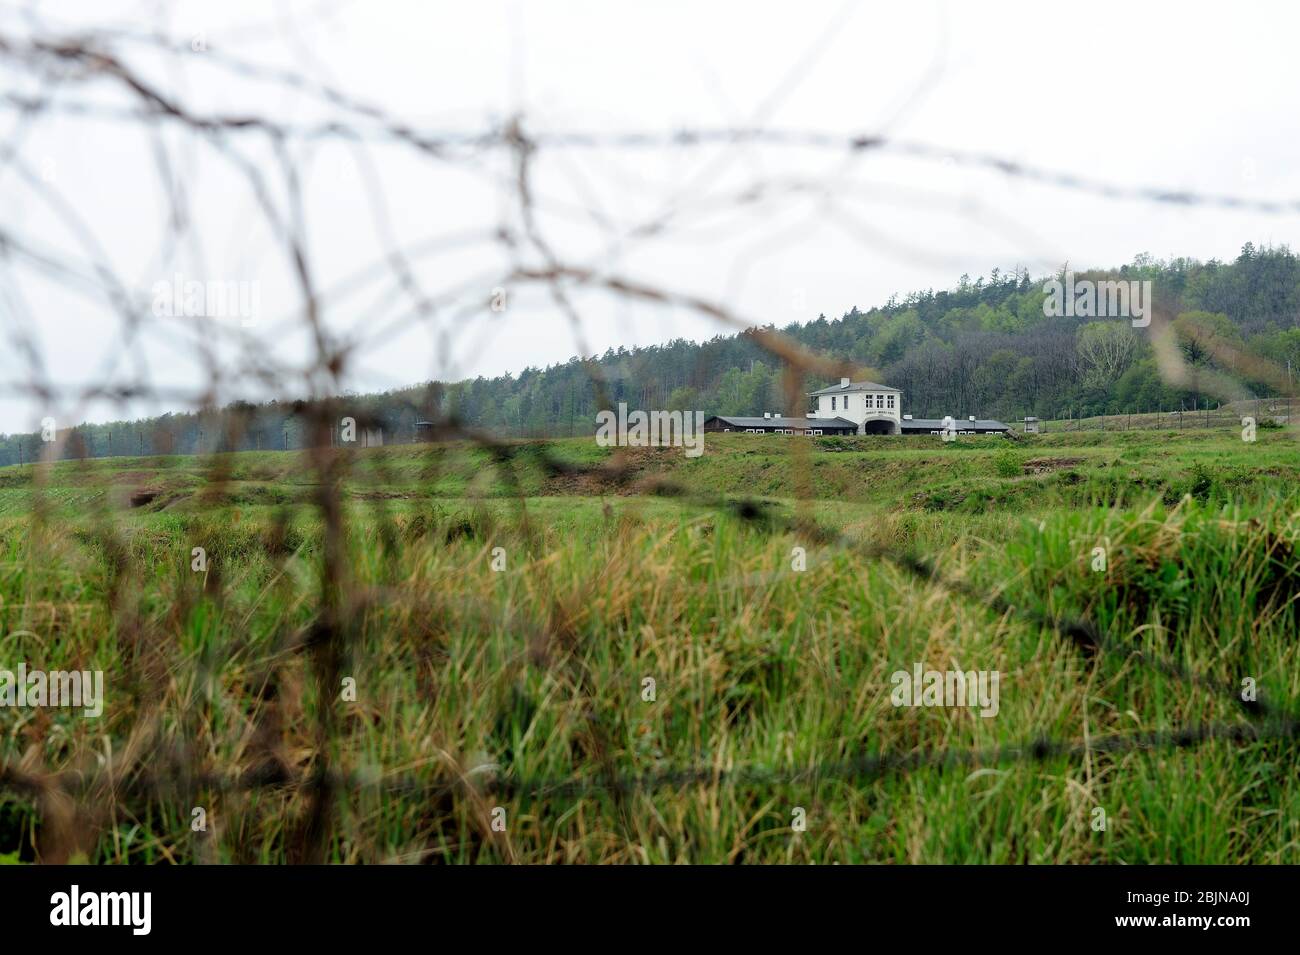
985 347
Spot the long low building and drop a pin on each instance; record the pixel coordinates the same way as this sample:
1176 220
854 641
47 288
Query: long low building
910 425
776 424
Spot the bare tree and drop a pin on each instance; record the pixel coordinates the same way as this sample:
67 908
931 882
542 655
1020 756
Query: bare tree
1106 350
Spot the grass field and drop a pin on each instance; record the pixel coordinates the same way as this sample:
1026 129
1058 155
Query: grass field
503 714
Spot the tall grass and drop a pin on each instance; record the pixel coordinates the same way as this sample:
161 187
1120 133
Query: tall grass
524 689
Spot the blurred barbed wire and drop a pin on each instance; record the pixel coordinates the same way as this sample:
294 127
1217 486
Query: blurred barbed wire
60 73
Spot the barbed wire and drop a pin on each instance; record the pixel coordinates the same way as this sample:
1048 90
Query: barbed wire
59 59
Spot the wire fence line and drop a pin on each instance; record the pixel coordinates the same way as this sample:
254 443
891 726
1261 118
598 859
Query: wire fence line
73 798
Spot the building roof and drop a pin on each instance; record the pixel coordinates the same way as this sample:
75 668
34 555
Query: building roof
962 424
853 386
788 422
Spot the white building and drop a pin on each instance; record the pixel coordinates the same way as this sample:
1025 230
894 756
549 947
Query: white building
875 409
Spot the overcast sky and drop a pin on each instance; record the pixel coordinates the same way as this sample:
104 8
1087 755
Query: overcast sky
1181 96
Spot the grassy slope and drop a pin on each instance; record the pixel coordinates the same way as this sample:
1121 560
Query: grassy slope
538 670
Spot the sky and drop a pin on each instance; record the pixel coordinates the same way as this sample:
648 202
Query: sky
402 241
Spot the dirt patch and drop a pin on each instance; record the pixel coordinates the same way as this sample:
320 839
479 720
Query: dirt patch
1047 465
144 495
629 471
152 497
385 494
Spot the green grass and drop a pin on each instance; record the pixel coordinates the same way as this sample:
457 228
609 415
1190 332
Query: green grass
774 683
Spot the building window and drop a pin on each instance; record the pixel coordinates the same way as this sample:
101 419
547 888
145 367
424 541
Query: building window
832 402
817 430
891 402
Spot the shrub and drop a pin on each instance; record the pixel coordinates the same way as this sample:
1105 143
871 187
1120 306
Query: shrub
1006 463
